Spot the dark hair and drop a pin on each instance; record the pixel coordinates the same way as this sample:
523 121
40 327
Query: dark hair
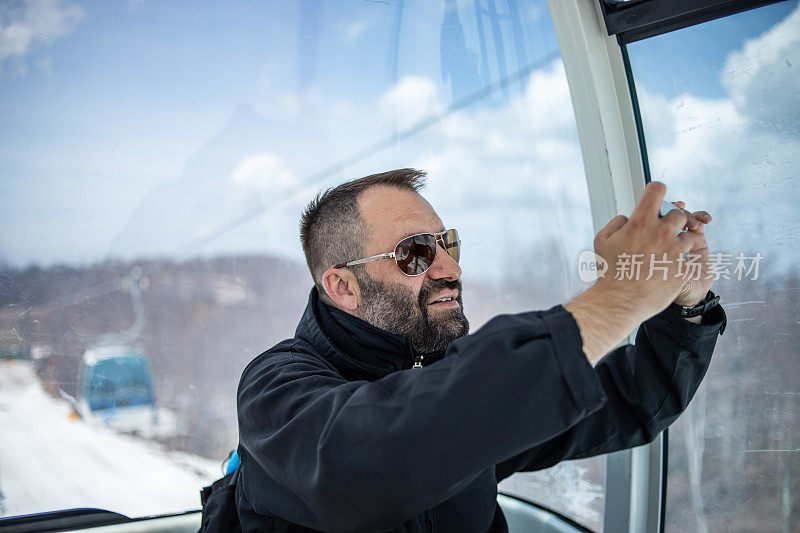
332 230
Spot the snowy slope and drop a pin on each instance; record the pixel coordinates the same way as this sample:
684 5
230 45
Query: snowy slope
49 462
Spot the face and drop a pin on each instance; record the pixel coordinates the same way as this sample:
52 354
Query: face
401 304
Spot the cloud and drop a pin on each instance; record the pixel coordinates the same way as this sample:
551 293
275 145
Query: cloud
410 100
491 167
354 30
501 167
517 163
262 174
514 166
33 22
530 142
512 169
760 76
495 169
693 137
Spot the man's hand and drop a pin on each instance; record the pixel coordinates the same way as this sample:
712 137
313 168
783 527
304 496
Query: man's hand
700 283
656 245
619 301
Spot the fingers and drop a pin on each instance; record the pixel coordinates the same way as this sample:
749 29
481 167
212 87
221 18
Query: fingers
694 219
612 227
698 228
675 220
648 206
691 221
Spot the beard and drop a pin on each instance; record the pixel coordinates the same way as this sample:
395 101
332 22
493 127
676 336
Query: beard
395 309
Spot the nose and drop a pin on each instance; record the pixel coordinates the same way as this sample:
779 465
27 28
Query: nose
444 266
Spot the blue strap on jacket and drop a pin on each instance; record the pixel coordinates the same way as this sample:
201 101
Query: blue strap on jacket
232 463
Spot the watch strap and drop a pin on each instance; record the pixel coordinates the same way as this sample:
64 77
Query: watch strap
710 301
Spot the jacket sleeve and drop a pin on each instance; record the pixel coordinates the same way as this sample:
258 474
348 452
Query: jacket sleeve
647 385
330 454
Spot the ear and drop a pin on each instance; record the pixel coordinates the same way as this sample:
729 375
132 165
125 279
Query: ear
342 287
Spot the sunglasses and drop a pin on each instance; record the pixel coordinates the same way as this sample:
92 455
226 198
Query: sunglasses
415 254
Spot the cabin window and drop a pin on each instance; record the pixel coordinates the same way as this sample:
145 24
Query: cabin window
721 114
155 160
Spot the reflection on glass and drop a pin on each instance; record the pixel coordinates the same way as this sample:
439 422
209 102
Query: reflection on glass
155 160
723 132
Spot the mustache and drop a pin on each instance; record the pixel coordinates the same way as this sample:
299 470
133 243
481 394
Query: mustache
432 286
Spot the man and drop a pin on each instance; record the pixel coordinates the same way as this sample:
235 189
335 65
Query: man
383 414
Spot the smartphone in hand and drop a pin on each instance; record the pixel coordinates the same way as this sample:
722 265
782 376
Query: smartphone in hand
666 207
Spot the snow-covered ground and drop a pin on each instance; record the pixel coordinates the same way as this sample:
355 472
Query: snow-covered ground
49 461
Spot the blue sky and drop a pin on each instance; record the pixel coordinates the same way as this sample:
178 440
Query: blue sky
700 57
114 113
121 96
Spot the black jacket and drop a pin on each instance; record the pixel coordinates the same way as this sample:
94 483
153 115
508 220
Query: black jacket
338 432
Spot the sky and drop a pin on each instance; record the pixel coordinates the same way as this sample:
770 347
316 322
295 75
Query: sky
698 57
141 129
739 142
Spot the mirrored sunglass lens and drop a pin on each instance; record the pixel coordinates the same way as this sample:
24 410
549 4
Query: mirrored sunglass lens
452 244
414 255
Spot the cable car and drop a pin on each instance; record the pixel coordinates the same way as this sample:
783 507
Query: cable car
115 387
185 143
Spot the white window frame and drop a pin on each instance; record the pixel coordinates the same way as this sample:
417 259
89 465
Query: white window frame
615 178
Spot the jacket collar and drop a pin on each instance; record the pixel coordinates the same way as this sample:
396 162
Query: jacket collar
351 344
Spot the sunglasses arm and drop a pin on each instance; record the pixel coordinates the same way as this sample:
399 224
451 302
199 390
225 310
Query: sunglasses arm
387 255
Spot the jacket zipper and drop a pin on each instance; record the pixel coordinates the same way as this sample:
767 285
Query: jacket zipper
418 361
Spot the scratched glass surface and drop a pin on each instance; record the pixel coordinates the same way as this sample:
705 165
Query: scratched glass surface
155 159
723 132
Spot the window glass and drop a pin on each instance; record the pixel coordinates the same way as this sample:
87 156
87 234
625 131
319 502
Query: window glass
155 159
722 121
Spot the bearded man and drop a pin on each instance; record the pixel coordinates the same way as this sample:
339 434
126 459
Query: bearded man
384 414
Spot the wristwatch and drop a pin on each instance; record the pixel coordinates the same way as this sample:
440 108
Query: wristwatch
711 300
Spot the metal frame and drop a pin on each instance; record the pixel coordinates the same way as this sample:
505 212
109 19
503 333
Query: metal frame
615 175
649 18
